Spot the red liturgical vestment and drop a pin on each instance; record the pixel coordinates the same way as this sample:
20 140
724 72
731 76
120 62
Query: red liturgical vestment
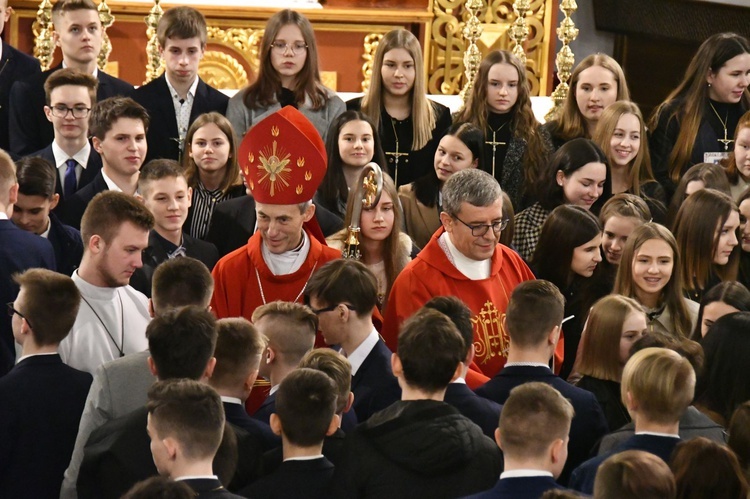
432 274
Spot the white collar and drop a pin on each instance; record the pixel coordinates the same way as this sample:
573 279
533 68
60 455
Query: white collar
45 234
473 269
288 262
91 291
524 473
196 477
4 216
273 389
231 400
82 156
526 364
657 434
358 356
459 381
110 183
95 74
35 355
191 91
304 458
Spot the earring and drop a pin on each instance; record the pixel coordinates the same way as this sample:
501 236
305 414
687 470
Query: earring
709 85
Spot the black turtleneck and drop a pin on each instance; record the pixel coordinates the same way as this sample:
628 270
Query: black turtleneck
500 123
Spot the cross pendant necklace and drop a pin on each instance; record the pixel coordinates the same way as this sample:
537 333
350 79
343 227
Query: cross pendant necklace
723 122
395 155
494 143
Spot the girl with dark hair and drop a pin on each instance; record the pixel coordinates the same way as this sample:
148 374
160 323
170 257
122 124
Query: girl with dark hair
700 176
409 124
707 229
724 298
515 145
738 163
739 436
578 174
703 468
722 385
649 273
614 324
568 256
460 148
352 143
211 169
743 203
694 123
288 76
596 82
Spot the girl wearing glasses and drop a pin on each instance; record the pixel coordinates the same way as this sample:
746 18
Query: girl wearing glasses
288 76
462 147
385 249
409 124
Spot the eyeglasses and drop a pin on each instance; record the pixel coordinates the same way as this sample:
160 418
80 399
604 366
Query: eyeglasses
61 111
12 311
319 311
481 229
295 48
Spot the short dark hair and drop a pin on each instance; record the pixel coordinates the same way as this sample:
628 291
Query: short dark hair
704 468
305 404
459 314
159 487
634 474
36 177
239 347
181 342
190 412
62 6
535 307
106 112
51 304
157 169
180 282
430 349
336 366
108 211
183 23
345 281
73 77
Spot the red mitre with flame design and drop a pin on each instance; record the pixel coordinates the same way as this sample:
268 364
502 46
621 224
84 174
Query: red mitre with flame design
283 158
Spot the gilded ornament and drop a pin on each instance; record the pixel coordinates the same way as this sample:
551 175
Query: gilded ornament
299 190
275 162
368 54
567 32
300 162
42 29
308 176
154 62
275 131
491 338
107 19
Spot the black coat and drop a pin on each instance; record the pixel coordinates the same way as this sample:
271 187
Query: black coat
308 479
76 205
67 244
483 412
14 66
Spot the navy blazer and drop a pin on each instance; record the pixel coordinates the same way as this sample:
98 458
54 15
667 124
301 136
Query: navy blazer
583 476
162 135
67 243
76 205
374 386
485 413
531 487
236 415
310 479
42 401
14 66
233 222
265 410
209 488
333 449
588 424
30 130
155 254
19 250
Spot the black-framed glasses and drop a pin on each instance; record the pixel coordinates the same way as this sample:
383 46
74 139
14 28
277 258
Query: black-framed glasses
318 311
61 111
281 47
481 229
12 311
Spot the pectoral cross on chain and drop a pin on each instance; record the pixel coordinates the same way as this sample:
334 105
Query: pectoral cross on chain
395 156
725 140
494 143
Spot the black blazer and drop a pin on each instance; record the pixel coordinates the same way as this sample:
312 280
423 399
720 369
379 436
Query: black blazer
207 488
14 66
30 130
236 415
485 413
333 449
42 402
233 222
19 250
265 410
295 480
374 386
155 254
531 487
67 243
162 135
76 205
588 424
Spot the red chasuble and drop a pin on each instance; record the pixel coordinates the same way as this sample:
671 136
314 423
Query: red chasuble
237 292
431 274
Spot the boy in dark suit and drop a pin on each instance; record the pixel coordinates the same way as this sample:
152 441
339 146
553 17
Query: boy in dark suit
179 95
533 320
305 414
19 250
419 446
163 189
118 126
657 387
78 33
186 424
70 95
32 212
42 398
343 294
533 434
485 413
